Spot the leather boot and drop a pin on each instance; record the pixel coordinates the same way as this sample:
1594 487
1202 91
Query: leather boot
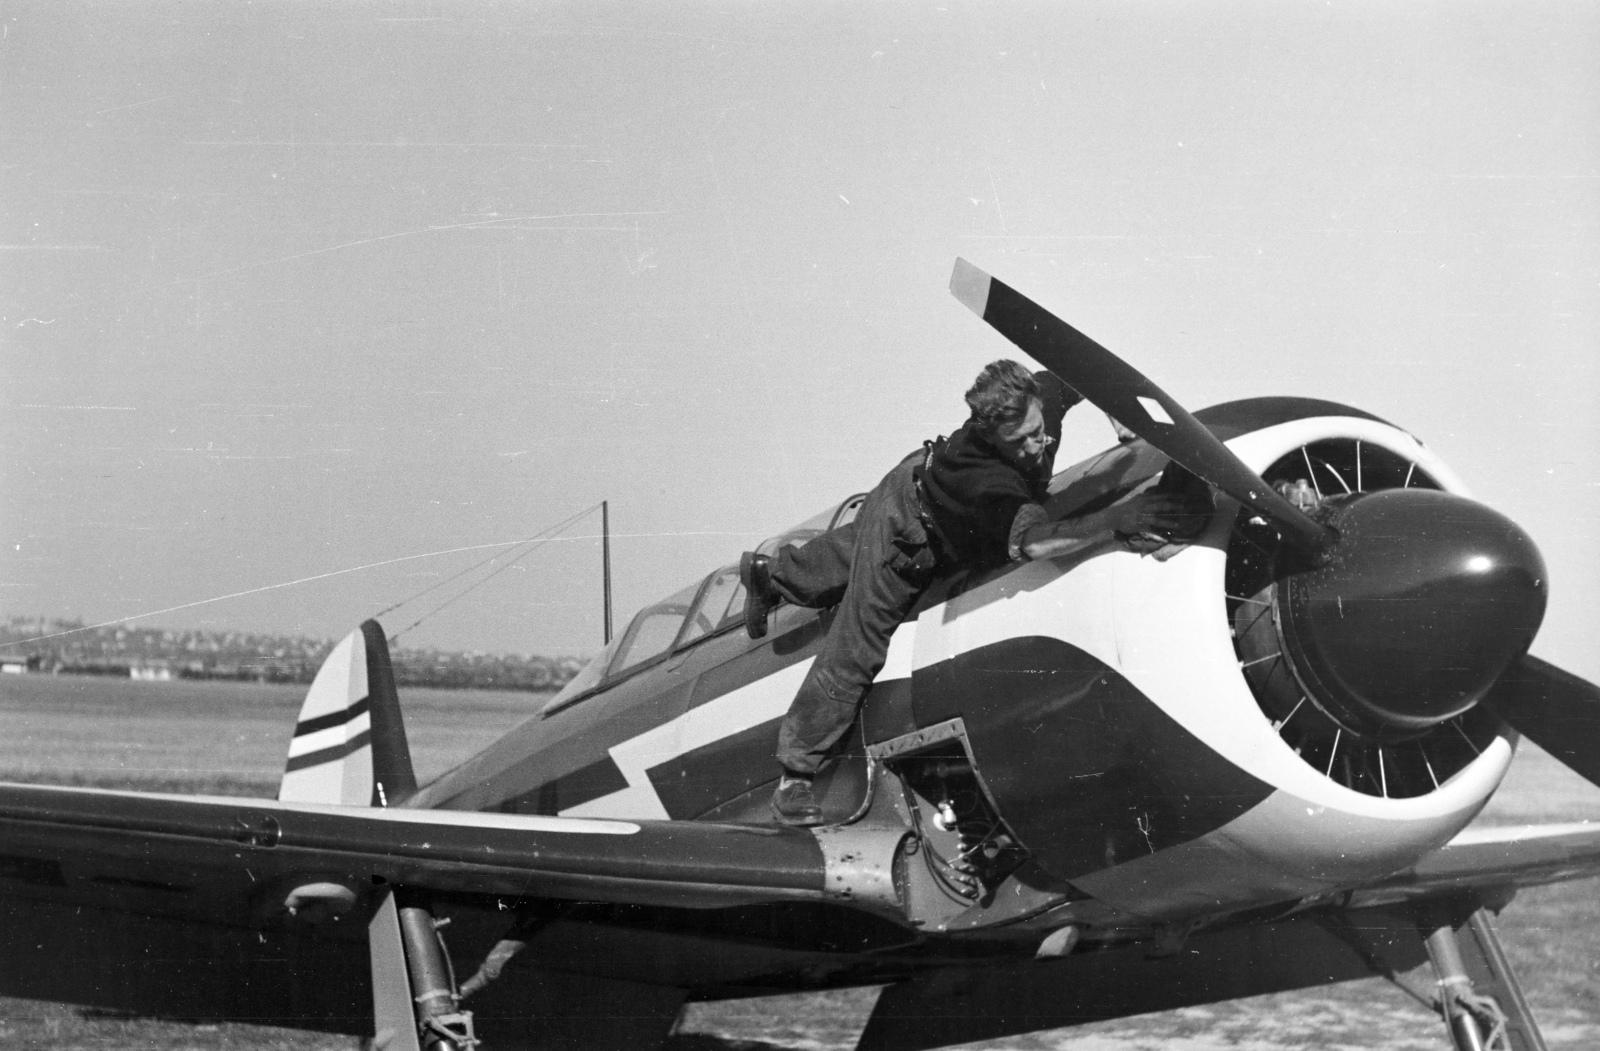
794 804
755 573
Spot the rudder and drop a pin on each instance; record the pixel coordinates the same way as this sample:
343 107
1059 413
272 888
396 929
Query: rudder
349 745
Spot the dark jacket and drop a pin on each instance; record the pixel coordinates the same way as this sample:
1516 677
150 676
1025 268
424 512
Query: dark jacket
972 493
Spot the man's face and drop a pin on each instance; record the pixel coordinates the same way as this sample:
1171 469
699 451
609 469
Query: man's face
1024 442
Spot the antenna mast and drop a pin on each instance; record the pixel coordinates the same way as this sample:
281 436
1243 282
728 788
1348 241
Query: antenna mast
605 561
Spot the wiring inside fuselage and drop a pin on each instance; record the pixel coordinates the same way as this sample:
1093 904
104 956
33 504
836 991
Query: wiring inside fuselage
967 850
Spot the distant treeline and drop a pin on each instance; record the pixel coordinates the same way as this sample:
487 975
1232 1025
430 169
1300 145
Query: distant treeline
161 653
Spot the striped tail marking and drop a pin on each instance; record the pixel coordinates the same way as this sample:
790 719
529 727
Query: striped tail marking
330 755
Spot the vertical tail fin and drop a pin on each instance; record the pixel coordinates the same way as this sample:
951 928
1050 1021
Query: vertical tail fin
349 745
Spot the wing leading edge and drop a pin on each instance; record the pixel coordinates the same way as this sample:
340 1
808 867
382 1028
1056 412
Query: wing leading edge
193 907
228 858
1488 860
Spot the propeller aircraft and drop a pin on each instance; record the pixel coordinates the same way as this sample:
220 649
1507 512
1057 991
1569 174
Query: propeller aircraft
1142 775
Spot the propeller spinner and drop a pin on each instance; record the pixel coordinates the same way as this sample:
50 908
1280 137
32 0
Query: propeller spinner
1425 601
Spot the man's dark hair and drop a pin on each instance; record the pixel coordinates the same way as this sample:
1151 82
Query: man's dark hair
999 396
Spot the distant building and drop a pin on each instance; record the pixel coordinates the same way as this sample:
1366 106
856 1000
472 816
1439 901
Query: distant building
150 672
18 665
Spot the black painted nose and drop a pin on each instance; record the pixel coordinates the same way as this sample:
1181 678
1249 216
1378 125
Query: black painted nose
1427 599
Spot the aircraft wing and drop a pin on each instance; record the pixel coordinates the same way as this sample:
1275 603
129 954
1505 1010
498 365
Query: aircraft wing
1486 860
234 858
1374 932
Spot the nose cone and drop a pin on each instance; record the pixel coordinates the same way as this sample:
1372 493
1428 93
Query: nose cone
1428 598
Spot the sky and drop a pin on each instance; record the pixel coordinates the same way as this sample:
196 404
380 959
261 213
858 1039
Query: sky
292 289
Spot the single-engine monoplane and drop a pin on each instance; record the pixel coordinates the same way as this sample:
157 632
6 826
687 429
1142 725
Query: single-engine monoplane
1142 775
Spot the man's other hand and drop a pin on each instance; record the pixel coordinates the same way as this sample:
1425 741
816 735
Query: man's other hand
1169 516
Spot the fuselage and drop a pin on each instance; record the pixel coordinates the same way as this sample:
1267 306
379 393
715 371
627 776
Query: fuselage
1093 724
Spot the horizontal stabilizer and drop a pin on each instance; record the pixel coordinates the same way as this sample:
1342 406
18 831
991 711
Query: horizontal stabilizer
349 745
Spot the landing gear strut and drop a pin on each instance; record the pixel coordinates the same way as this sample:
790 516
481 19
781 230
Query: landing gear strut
416 1006
1479 996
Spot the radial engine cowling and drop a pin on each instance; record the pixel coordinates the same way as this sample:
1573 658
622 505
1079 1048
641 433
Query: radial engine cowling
1427 598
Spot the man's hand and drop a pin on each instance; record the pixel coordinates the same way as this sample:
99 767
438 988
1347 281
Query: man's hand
1162 514
1145 522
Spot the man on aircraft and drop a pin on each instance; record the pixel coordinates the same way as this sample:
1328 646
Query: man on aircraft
973 500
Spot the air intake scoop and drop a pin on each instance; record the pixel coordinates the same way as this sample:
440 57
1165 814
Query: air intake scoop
1427 598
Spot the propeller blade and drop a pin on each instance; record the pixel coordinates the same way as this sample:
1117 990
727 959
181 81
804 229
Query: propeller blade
1128 397
1554 709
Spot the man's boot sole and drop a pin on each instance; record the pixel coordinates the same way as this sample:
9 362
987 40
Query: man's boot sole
793 822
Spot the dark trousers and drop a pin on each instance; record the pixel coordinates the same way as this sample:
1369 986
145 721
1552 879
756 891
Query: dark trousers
873 569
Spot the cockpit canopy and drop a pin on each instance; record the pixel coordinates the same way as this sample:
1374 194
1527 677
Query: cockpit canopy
707 607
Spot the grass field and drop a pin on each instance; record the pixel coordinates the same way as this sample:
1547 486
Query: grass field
231 739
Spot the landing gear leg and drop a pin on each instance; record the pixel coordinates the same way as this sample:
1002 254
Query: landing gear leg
1456 994
1479 996
415 1003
